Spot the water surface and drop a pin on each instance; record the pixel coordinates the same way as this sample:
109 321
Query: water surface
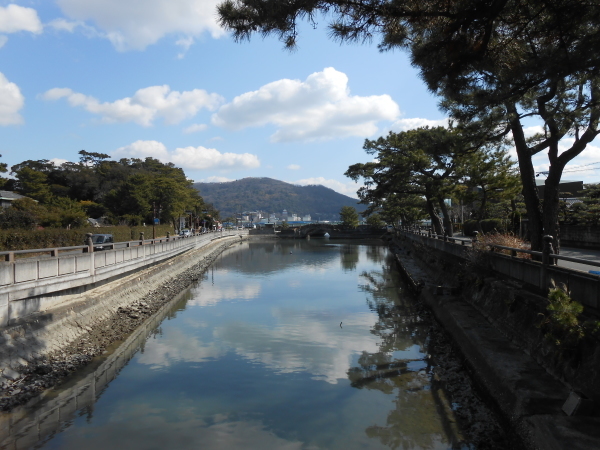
282 345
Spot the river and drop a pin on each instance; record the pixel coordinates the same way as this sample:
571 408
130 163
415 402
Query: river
282 345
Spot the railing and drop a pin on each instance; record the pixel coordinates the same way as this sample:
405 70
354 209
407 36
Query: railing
31 284
584 287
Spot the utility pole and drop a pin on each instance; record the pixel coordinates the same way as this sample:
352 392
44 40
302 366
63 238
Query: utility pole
153 220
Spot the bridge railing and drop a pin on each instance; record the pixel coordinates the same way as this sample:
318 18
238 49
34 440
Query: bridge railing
584 287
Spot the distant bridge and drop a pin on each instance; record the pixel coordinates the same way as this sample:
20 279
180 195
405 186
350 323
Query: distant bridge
318 230
335 231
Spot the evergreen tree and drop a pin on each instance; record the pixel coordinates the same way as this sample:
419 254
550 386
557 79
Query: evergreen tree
421 162
498 61
349 216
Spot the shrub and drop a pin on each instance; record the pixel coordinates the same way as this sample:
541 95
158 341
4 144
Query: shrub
562 324
487 226
19 239
505 240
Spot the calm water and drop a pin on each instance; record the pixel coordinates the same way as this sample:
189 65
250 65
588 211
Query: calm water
254 357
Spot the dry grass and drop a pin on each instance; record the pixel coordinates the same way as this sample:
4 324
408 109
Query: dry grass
506 240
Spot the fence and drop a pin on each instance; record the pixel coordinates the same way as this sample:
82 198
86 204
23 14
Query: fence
29 285
584 287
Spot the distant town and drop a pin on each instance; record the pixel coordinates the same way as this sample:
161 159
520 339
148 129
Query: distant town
261 219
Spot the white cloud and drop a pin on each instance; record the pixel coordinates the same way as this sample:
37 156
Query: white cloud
414 123
215 180
143 149
293 167
193 158
64 25
318 108
185 45
135 24
175 346
585 167
302 343
144 106
348 189
533 130
11 102
214 295
3 40
195 128
201 158
14 18
58 161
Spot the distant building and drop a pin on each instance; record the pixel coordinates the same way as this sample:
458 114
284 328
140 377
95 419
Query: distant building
284 215
251 216
306 218
7 197
566 188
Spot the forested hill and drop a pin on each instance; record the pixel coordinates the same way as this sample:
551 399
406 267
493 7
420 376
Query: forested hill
273 196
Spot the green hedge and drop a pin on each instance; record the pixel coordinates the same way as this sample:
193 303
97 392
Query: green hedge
487 225
55 237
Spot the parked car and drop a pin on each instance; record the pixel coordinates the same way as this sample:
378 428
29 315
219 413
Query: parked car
185 233
102 241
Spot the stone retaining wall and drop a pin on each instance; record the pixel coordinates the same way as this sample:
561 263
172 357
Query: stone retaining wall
580 236
497 328
584 287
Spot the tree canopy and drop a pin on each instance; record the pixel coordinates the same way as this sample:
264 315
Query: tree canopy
349 216
420 162
419 170
502 61
129 191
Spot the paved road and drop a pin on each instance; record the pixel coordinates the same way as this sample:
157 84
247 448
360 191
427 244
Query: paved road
591 255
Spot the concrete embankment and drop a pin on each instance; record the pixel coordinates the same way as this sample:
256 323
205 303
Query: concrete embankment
40 352
505 354
28 425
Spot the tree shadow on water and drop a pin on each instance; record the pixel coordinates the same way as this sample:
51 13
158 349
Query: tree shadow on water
422 417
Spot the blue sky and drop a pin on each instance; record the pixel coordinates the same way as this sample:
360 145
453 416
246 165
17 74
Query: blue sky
137 78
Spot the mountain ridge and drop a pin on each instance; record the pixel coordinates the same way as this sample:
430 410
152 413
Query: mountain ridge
273 196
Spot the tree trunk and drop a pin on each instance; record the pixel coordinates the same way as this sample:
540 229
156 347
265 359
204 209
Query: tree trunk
515 224
481 212
551 205
436 223
530 192
446 218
